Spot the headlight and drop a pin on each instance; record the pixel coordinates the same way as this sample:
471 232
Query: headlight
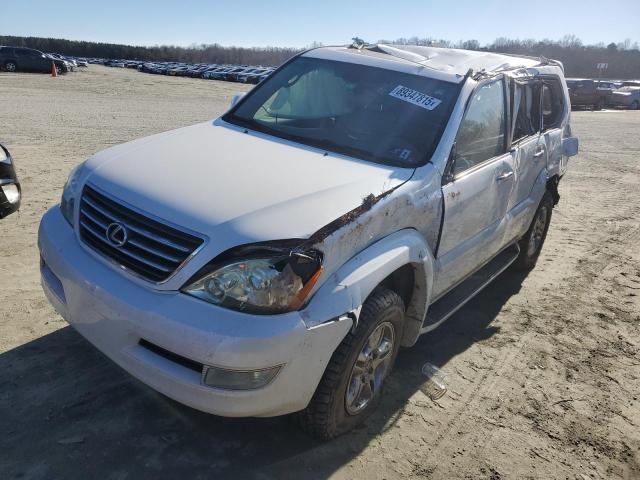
260 285
69 194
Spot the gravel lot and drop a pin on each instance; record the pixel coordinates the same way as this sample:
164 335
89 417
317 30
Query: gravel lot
543 370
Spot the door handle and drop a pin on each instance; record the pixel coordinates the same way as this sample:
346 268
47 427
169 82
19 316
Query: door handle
504 176
539 152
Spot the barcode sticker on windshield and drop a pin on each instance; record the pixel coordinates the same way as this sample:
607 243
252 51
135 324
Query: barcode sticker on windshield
413 96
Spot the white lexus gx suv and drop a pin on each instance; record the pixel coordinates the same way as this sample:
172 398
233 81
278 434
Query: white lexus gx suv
274 260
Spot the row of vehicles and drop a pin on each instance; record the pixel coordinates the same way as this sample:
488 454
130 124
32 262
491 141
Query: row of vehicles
14 59
22 59
211 71
598 94
232 73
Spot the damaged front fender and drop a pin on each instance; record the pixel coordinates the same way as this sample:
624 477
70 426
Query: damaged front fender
345 290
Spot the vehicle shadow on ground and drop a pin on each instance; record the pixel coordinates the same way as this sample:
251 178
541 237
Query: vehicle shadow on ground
69 412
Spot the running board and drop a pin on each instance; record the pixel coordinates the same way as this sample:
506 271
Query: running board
455 299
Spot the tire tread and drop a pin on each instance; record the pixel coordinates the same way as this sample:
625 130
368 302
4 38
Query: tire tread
316 419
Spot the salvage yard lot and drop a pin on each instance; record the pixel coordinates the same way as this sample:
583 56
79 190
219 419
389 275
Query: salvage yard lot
543 370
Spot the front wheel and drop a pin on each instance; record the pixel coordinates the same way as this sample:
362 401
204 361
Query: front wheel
635 105
10 67
532 241
351 386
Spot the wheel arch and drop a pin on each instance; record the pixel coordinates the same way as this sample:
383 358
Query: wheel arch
401 261
552 187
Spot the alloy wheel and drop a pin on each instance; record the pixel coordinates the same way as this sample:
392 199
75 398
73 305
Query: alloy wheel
537 233
370 368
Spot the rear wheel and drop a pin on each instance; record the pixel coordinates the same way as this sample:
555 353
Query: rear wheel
635 105
352 384
10 66
532 241
599 104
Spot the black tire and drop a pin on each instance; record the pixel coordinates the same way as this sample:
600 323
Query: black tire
635 105
10 66
327 416
599 105
58 69
532 241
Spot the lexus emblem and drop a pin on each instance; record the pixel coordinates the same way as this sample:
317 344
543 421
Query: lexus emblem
117 234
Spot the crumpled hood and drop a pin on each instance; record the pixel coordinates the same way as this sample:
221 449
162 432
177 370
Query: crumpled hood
238 187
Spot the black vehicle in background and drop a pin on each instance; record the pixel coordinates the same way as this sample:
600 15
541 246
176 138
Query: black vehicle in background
9 185
20 59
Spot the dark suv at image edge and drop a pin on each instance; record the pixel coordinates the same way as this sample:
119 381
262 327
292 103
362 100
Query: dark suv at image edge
13 59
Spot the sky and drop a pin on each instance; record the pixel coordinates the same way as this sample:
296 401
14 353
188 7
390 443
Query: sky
301 22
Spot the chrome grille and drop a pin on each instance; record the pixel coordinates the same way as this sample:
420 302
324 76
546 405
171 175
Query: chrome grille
152 249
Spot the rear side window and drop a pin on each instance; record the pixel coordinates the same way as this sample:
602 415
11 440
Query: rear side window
552 103
482 132
526 110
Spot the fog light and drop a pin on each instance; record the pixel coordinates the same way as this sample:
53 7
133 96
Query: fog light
11 192
238 379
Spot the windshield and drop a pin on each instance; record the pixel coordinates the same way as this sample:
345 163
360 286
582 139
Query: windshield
371 113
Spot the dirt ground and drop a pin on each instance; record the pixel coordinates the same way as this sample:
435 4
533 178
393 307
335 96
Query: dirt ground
543 370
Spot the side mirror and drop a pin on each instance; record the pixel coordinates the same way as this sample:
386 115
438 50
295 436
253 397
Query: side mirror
236 98
9 185
569 146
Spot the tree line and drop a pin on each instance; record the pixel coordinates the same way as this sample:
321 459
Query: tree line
579 60
214 53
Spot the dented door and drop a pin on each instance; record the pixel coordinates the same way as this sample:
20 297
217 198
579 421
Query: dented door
477 188
473 229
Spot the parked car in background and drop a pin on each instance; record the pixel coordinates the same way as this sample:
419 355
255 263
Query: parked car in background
626 97
69 65
9 185
211 73
20 59
114 63
406 192
228 75
259 77
245 75
584 93
179 71
607 88
217 73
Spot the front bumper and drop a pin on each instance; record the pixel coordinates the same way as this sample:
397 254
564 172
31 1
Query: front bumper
115 314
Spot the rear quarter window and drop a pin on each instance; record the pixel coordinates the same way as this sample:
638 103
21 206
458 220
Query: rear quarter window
552 103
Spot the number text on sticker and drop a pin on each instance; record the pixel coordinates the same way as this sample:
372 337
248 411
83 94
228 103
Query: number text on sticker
413 96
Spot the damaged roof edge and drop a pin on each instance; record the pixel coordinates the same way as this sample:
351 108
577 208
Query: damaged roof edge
452 60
